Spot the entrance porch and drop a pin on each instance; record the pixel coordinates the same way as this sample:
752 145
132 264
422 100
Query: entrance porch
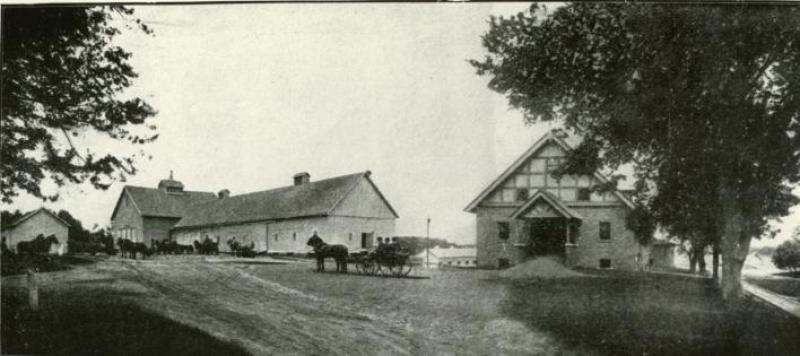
545 227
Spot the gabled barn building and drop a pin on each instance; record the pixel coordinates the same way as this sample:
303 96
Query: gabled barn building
348 210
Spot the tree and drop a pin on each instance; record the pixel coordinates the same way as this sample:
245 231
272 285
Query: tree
60 80
787 255
8 217
702 100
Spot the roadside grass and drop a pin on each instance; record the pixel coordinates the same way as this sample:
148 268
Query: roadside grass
14 264
93 321
636 314
782 285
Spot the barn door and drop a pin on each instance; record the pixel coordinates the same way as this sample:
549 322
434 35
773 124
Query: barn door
367 239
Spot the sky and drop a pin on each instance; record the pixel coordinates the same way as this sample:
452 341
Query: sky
250 94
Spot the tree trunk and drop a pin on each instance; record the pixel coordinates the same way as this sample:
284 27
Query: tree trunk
701 260
715 263
692 261
735 244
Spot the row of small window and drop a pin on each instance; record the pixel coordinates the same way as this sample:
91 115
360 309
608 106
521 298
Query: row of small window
503 230
547 180
522 194
276 237
466 263
128 233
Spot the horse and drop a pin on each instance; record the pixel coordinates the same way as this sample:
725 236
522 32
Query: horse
323 250
141 248
234 246
40 245
129 247
207 247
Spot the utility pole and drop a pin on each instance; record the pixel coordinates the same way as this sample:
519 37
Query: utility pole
428 243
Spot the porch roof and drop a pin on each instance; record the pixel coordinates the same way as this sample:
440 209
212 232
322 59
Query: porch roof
551 200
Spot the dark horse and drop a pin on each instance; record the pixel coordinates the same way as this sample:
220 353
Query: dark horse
39 246
323 250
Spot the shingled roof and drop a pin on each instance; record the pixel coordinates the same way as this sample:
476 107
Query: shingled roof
30 214
159 203
311 199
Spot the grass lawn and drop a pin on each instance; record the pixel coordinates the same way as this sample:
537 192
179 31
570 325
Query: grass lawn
612 313
171 305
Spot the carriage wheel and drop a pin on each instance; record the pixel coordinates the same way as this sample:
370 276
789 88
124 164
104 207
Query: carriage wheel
405 268
384 270
367 267
395 270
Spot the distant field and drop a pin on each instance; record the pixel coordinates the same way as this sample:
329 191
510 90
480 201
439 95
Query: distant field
228 308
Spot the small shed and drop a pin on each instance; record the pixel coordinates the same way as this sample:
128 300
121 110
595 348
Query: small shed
38 222
447 257
662 254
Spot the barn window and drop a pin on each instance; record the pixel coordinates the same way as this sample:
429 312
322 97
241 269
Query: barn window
584 194
502 228
605 263
522 194
605 230
276 237
294 236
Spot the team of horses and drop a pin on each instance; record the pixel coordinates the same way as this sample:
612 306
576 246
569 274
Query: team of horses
322 250
38 246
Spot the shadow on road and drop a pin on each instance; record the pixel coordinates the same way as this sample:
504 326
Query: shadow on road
95 322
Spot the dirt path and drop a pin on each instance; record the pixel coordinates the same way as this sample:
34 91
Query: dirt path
230 304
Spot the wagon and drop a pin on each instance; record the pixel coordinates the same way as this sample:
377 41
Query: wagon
386 260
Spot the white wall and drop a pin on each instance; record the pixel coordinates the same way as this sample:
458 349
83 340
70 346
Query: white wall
40 224
244 234
292 235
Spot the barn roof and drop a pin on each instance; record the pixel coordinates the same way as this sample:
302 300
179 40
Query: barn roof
32 213
317 198
159 203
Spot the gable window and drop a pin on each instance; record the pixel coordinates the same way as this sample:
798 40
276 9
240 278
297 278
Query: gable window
522 194
502 230
605 263
584 194
605 230
350 237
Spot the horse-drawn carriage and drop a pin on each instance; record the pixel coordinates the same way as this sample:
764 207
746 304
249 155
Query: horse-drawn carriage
389 259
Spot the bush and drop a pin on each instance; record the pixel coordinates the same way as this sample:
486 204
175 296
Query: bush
787 255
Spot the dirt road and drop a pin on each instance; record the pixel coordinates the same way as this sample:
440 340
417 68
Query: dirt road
260 316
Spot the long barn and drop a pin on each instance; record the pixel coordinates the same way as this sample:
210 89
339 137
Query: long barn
348 210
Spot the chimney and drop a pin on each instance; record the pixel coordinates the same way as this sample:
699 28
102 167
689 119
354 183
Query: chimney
224 194
302 178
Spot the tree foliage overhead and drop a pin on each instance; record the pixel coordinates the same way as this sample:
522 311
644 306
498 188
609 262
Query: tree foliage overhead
63 76
703 100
